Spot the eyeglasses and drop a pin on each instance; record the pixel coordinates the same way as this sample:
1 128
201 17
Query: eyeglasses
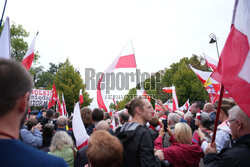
229 122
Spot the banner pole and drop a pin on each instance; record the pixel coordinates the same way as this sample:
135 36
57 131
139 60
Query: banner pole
218 113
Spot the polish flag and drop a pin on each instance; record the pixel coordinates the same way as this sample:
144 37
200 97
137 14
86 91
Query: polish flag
79 130
80 97
5 46
167 89
185 106
233 70
29 56
158 107
142 92
211 62
174 96
126 59
64 105
62 110
113 124
53 99
59 109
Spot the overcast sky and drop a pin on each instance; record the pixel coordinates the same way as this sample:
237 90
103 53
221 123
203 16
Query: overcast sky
91 33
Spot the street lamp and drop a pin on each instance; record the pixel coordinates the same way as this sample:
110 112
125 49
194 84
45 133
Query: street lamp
214 40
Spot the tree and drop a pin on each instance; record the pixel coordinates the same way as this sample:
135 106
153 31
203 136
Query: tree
68 81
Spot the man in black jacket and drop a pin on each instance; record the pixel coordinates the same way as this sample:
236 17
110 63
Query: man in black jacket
136 138
239 154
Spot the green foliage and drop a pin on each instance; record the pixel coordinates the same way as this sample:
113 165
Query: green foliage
68 81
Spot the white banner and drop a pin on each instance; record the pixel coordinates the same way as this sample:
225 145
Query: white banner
40 97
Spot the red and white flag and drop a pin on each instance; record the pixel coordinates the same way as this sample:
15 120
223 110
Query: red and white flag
80 97
211 62
53 99
59 109
210 84
79 130
174 96
233 70
64 105
116 106
29 56
142 92
126 59
5 46
113 124
185 106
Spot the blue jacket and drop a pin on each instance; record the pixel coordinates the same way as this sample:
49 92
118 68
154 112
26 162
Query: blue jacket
34 139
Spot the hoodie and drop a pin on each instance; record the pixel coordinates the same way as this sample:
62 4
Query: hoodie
180 155
138 146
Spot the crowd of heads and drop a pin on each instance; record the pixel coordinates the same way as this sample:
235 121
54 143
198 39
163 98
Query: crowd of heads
104 148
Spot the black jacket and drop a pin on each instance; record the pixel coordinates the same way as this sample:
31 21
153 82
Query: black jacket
138 146
238 155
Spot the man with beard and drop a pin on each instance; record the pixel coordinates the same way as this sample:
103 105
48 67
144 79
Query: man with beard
137 140
15 87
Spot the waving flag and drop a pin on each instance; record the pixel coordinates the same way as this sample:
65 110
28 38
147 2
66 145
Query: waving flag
59 109
53 99
211 62
79 130
185 106
211 85
142 92
113 124
174 96
5 46
233 70
29 56
126 59
80 97
64 105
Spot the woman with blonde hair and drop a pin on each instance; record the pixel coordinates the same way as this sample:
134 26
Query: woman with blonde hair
62 146
182 152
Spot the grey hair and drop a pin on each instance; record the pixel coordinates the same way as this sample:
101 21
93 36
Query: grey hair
237 113
102 125
60 141
206 121
174 118
62 121
188 115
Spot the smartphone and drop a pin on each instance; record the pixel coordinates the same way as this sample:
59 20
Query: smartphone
165 123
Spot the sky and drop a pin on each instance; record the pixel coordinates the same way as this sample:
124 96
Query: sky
91 33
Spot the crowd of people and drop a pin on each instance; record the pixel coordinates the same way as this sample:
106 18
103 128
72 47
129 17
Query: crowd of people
141 137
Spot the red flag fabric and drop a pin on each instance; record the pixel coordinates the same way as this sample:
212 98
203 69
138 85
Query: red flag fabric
116 106
211 85
211 62
234 65
167 89
59 109
126 59
53 99
79 130
29 56
80 97
174 96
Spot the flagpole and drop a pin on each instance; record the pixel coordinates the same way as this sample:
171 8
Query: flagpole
3 13
218 112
